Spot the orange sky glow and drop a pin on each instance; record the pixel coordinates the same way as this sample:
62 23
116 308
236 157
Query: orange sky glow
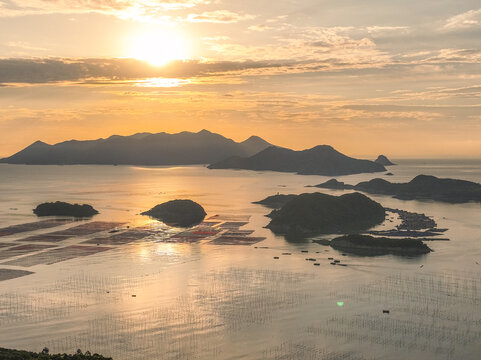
298 74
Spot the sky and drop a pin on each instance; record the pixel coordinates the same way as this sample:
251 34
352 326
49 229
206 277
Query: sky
401 78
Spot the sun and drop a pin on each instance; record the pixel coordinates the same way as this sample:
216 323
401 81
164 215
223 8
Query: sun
158 47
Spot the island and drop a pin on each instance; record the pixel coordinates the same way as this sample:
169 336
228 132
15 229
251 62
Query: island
334 184
320 160
60 208
184 148
383 160
422 187
316 213
370 245
275 201
180 213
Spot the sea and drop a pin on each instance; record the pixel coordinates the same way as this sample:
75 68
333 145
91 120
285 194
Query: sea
155 299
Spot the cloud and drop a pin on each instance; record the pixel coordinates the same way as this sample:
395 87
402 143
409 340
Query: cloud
218 16
455 55
47 70
374 30
145 10
23 47
260 28
465 20
446 110
320 47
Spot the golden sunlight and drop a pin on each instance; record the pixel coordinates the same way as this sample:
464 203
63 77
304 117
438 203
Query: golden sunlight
158 47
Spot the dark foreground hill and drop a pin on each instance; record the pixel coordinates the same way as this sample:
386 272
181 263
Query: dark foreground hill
422 187
320 160
184 148
8 354
317 213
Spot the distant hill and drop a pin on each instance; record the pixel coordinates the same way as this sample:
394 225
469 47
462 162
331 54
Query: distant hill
426 187
422 187
383 160
320 160
184 148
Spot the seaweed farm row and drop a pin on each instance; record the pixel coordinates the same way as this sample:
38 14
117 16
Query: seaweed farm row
47 248
241 301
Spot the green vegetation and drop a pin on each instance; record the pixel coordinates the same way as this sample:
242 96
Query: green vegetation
183 213
317 213
60 208
8 354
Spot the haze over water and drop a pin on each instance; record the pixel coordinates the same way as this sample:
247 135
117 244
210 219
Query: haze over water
203 301
157 82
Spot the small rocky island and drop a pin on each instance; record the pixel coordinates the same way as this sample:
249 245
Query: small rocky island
320 160
60 208
422 187
369 245
276 201
334 184
182 213
383 160
316 213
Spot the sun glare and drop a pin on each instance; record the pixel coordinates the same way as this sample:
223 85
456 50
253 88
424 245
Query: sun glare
158 47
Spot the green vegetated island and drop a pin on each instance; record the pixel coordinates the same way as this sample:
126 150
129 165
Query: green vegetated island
422 187
313 214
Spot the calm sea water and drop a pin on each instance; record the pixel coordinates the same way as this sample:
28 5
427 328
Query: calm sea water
200 301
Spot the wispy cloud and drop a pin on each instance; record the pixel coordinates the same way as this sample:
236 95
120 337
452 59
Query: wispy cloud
146 10
217 16
465 20
57 70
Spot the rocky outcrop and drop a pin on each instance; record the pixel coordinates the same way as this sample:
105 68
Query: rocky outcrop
383 160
